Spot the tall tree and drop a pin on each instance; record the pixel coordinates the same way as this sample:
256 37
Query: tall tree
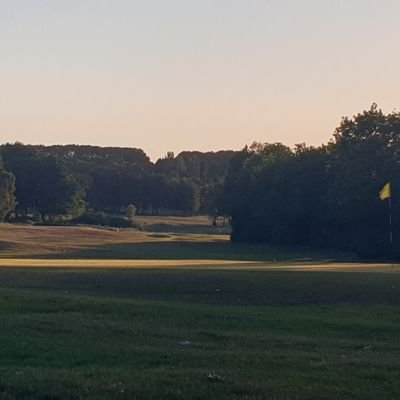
43 183
7 189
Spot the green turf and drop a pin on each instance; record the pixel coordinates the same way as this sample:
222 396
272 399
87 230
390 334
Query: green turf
115 334
177 249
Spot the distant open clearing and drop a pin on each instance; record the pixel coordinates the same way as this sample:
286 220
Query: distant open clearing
48 241
92 243
91 247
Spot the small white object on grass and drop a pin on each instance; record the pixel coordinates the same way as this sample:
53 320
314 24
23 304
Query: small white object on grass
184 343
212 376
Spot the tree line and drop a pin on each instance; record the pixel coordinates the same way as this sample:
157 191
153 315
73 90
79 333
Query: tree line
49 183
325 196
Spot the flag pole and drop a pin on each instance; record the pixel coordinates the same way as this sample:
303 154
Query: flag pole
390 219
386 193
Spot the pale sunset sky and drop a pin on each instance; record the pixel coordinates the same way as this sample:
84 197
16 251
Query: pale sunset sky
173 75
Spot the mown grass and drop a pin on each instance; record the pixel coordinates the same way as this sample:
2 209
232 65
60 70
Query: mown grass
191 334
116 334
178 249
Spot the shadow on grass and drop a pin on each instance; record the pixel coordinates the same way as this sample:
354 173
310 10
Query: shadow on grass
213 250
185 228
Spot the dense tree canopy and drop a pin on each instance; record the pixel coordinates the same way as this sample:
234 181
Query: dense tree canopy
326 196
43 183
63 180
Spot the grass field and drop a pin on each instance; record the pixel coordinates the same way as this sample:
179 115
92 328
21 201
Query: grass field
177 320
25 241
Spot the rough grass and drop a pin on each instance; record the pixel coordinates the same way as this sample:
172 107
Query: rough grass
112 334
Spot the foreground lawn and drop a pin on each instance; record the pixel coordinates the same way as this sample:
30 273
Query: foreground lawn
135 334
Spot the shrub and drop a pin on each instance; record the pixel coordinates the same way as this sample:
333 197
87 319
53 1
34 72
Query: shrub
103 219
131 211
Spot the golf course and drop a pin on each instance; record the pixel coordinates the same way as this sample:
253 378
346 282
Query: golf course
89 313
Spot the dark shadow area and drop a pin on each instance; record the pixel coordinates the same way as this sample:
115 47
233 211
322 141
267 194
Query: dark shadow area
216 250
186 228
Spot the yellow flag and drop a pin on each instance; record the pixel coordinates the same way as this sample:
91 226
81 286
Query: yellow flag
385 192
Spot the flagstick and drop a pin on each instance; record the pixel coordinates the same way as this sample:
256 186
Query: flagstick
390 220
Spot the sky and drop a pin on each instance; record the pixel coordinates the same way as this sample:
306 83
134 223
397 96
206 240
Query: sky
174 75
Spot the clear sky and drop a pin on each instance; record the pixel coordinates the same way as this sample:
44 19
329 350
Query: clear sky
193 74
